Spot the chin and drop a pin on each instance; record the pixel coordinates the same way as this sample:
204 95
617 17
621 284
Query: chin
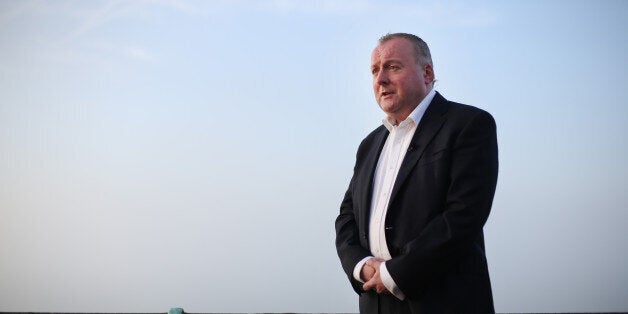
388 108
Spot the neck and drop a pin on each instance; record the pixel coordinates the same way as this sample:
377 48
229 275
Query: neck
398 117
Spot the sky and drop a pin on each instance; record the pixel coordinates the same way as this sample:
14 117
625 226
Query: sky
158 154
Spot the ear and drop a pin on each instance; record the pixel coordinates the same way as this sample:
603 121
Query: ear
428 74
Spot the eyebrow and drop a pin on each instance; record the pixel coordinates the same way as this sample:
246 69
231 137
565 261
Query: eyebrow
392 60
386 62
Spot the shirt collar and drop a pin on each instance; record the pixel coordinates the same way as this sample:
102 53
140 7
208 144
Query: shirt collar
416 114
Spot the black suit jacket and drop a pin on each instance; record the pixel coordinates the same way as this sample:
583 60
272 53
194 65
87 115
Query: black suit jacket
439 204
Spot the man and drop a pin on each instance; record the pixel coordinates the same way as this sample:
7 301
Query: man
409 233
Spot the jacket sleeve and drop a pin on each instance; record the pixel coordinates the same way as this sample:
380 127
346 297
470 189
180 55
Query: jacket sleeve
348 237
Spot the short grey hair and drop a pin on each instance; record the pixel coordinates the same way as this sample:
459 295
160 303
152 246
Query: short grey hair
421 50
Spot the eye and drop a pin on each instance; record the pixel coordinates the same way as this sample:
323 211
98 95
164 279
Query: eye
393 67
374 71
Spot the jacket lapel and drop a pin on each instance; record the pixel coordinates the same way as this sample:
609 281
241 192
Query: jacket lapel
429 125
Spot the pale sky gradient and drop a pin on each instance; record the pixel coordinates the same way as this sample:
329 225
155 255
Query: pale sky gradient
158 154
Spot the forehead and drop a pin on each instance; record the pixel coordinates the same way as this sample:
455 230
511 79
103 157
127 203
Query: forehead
399 49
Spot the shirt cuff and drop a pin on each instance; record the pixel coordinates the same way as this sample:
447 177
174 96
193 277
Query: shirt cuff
389 283
358 268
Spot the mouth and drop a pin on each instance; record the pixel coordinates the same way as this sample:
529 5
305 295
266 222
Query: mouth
385 93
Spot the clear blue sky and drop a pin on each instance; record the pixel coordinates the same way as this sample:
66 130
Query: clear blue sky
163 153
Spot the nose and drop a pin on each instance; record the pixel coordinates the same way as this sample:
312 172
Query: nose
381 78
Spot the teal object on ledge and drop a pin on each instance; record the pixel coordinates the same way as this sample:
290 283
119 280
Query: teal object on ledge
176 310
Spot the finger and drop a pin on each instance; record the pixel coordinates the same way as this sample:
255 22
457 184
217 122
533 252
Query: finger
382 288
368 273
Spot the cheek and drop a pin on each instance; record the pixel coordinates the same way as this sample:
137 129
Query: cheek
411 87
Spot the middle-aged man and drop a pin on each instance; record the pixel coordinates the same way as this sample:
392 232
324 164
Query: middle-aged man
409 233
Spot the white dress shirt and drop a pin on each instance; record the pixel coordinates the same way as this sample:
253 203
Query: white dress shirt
388 165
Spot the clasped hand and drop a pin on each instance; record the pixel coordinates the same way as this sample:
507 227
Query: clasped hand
371 275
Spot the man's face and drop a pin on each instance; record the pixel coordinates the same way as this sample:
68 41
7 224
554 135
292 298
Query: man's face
399 82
